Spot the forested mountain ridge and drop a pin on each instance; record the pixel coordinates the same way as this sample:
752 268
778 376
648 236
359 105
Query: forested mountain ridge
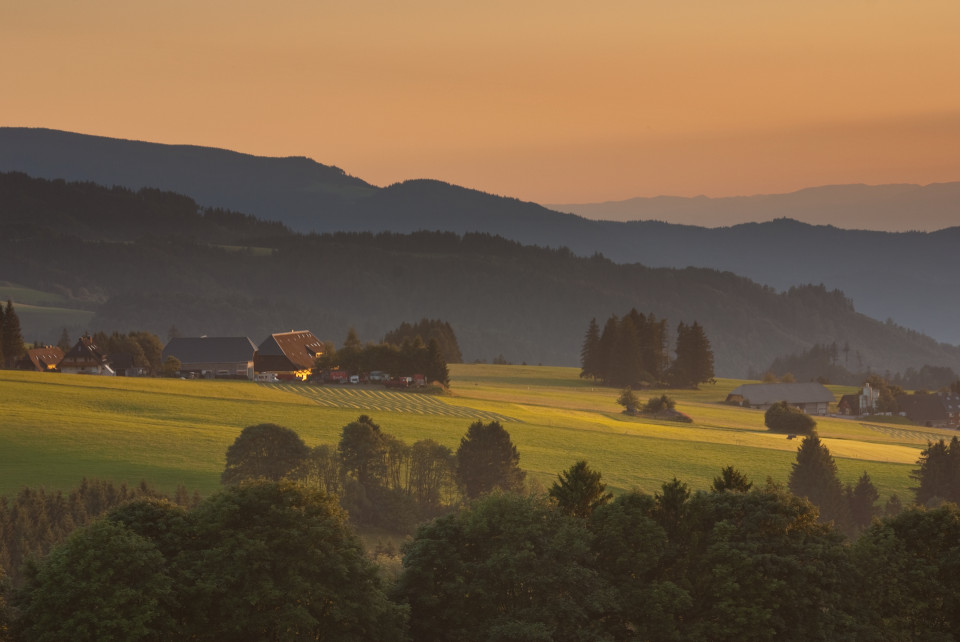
169 263
93 213
214 177
900 276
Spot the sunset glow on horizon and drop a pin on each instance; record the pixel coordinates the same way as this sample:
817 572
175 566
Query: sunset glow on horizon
554 102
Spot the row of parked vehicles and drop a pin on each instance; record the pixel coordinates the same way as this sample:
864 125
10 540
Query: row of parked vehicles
376 376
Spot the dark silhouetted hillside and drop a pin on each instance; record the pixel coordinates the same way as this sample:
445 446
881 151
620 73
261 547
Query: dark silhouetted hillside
167 263
906 277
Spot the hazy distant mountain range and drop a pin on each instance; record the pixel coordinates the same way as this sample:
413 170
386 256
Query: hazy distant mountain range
901 208
907 277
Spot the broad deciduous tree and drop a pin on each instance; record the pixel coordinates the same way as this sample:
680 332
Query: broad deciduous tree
363 451
759 566
320 469
276 561
908 572
782 417
629 400
432 474
506 568
631 551
104 583
263 451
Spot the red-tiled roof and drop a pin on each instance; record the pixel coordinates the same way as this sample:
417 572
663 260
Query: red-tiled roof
42 359
288 352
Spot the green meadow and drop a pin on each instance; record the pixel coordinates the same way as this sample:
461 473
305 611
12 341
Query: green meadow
56 429
45 313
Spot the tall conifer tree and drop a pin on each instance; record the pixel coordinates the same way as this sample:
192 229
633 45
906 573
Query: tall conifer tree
590 351
64 342
861 499
642 330
694 363
487 459
436 369
814 476
608 349
11 338
703 352
939 472
628 366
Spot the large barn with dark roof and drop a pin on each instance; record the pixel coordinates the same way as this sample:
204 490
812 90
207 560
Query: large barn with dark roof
812 398
224 357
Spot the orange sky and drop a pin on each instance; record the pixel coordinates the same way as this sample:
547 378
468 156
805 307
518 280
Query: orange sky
554 101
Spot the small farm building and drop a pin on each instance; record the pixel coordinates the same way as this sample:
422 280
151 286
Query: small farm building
849 405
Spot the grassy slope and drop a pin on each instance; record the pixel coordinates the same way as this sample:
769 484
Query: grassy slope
42 315
56 429
29 296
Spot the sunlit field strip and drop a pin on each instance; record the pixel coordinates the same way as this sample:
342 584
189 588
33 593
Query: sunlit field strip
58 428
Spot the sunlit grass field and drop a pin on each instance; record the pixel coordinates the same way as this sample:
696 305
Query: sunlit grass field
56 429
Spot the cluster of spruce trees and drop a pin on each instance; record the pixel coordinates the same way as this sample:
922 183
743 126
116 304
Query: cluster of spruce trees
35 520
632 351
428 330
849 507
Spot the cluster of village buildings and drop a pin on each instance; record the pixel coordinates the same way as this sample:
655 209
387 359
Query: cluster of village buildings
281 356
290 356
935 410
